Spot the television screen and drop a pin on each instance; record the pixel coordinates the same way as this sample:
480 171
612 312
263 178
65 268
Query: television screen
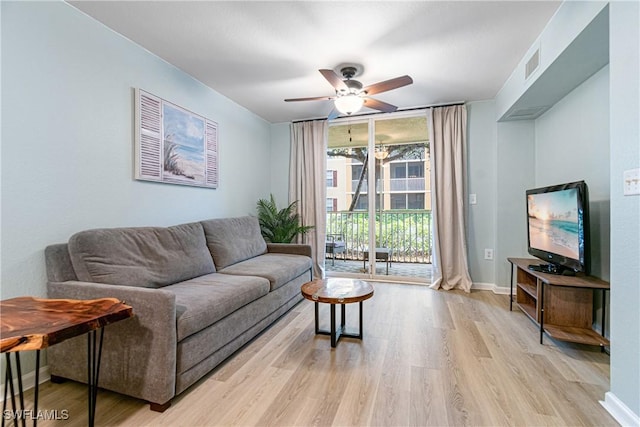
553 222
557 221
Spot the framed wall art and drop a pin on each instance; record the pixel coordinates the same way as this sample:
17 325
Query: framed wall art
174 145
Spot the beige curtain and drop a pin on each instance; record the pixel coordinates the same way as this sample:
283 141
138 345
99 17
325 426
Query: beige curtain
448 136
307 183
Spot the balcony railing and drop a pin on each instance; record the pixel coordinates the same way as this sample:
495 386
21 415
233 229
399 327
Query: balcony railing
406 232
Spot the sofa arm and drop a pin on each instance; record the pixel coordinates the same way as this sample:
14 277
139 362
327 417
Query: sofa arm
289 248
139 353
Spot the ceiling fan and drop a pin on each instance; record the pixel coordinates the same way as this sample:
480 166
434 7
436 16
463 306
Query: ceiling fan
351 95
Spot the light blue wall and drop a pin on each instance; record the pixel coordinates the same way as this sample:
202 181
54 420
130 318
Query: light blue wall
280 150
67 139
482 175
624 65
515 174
572 144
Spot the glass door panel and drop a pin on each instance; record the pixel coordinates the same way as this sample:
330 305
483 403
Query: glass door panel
385 226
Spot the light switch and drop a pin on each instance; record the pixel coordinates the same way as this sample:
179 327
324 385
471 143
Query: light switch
632 182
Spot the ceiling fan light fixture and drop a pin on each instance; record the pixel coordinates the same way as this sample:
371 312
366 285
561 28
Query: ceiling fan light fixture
349 104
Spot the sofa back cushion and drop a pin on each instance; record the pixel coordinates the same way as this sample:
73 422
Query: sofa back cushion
149 257
231 240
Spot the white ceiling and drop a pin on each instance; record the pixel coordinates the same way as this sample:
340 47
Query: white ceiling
259 53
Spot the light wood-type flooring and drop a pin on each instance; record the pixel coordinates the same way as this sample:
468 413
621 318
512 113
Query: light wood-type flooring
428 358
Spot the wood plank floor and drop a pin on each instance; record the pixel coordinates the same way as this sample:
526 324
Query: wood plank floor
428 358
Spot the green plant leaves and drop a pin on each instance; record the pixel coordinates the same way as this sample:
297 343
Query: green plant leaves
279 225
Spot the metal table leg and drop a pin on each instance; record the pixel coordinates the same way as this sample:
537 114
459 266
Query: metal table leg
93 372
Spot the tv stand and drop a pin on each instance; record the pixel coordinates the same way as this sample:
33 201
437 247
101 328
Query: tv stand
561 306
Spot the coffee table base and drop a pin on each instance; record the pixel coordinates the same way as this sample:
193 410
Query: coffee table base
337 332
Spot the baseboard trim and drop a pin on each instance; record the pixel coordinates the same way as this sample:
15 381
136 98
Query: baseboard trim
28 380
619 410
500 290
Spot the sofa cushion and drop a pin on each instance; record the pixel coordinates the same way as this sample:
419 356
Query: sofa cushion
202 301
231 240
277 268
149 257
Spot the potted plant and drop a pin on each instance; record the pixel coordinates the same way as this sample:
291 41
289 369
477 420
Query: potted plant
279 225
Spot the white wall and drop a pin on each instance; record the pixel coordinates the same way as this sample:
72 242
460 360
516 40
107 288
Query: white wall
67 139
572 144
625 210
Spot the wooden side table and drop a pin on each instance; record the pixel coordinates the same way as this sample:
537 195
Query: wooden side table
337 291
29 323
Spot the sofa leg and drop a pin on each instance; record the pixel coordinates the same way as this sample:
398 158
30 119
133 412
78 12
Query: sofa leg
57 380
159 407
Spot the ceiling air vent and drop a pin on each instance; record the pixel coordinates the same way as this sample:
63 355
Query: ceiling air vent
532 64
527 113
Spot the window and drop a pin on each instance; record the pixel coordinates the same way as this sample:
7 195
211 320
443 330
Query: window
332 205
416 169
398 170
356 170
332 178
363 203
398 201
415 200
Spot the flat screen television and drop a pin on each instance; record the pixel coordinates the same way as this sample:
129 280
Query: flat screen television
558 228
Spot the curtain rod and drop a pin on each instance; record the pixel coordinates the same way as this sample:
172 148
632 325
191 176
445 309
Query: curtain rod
448 104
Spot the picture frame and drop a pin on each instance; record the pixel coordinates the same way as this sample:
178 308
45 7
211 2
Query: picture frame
174 145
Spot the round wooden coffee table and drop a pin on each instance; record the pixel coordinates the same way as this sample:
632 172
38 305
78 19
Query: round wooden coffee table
337 291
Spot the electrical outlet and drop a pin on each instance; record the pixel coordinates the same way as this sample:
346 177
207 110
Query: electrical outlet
488 254
632 182
472 199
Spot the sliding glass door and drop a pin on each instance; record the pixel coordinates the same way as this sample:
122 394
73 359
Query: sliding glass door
378 198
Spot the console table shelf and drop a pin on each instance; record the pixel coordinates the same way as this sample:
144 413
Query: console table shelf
562 306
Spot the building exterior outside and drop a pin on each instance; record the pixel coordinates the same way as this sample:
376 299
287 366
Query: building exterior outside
405 184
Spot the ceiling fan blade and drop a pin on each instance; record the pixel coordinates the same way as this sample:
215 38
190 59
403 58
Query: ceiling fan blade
334 79
313 98
388 85
333 114
379 105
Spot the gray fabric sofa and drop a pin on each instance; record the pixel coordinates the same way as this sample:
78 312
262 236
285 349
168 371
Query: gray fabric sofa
199 292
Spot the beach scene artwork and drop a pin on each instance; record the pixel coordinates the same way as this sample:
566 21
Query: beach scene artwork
184 146
553 222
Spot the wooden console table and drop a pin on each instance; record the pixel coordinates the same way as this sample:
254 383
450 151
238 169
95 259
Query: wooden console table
561 305
29 323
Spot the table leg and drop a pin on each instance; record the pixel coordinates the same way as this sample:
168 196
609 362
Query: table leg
18 412
604 308
334 339
360 319
8 386
36 386
511 290
317 318
541 311
93 370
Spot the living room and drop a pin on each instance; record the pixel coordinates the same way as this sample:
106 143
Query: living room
67 159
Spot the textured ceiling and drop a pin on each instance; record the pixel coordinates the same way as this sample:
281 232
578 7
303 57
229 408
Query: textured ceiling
259 53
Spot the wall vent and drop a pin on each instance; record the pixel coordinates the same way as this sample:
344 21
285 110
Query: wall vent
527 113
532 64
